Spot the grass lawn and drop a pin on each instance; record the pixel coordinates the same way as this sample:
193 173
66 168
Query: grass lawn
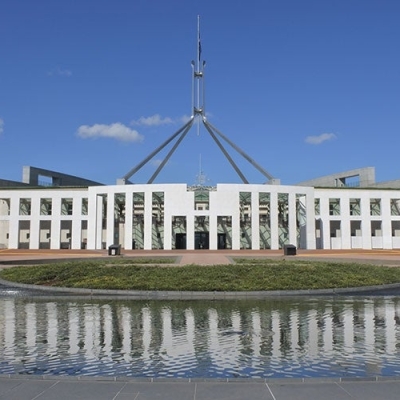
244 275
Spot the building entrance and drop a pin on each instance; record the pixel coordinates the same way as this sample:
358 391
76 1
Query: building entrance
221 241
201 240
180 241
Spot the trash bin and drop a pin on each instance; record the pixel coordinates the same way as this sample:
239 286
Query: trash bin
114 250
289 250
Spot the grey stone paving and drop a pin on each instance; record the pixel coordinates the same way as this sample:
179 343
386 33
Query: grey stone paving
65 388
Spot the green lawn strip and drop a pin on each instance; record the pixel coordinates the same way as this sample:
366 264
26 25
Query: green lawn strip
251 275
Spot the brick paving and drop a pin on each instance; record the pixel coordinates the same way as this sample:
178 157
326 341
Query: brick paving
209 257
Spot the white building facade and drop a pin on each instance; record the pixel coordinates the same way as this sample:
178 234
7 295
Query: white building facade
175 216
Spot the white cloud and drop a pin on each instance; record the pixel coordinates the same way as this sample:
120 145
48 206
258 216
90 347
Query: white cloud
116 131
154 120
60 72
185 118
320 139
1 126
156 162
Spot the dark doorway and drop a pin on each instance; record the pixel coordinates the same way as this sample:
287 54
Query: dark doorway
201 240
180 241
221 241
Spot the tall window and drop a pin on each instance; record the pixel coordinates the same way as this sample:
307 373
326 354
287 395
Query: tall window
45 206
334 206
25 206
375 206
66 206
317 206
85 206
355 207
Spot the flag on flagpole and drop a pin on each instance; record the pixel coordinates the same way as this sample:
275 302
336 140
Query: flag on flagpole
199 47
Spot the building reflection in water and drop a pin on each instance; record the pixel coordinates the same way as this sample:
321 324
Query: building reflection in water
268 338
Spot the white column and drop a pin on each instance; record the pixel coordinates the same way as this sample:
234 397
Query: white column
365 222
310 222
345 222
292 218
148 219
325 223
110 218
128 220
190 232
213 228
34 225
255 221
236 224
55 223
76 239
99 221
93 218
386 223
274 221
167 231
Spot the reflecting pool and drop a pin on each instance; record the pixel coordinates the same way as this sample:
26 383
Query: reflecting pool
293 337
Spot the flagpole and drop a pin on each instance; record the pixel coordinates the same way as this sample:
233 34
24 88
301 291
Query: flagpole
198 71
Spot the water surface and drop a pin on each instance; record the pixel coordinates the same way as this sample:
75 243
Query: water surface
293 337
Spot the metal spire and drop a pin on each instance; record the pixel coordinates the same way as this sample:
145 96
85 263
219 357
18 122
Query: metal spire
198 112
198 75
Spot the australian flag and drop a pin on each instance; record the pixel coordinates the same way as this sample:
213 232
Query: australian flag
199 47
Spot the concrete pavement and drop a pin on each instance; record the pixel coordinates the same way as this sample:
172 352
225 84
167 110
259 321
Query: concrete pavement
66 388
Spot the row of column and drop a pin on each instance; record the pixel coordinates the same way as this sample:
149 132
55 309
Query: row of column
96 222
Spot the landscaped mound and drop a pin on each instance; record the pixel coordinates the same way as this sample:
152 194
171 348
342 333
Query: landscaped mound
244 275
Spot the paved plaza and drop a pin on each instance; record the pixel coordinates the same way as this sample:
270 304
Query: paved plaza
65 388
208 257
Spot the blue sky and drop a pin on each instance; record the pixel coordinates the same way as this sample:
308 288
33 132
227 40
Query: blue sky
306 88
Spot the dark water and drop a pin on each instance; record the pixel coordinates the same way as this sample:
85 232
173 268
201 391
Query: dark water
298 337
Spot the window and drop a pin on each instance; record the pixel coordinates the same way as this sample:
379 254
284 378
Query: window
85 206
334 206
317 205
355 207
375 206
45 206
395 207
4 206
66 206
24 206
